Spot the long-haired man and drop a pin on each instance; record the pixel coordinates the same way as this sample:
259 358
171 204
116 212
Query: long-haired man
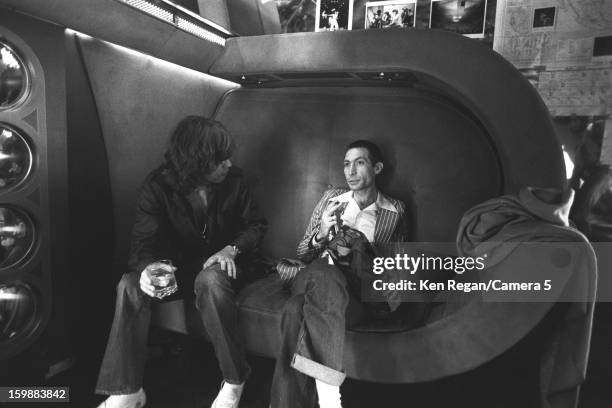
196 210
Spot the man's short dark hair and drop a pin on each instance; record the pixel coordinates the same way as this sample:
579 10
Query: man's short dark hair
373 150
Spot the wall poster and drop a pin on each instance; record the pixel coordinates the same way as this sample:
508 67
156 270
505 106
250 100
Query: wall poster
390 14
465 17
334 15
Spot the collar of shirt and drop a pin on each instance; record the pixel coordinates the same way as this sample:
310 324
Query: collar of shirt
363 220
381 201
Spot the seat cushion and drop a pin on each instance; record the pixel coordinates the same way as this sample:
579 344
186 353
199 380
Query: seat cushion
261 304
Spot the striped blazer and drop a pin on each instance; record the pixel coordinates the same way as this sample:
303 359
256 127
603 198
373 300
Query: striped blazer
390 226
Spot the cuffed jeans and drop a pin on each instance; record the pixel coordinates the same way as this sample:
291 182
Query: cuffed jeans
313 331
122 368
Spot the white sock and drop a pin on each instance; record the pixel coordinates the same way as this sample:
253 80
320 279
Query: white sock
329 395
120 400
232 389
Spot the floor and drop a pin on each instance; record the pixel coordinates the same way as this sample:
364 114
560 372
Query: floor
182 373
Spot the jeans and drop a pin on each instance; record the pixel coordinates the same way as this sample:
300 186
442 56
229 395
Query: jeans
122 368
313 328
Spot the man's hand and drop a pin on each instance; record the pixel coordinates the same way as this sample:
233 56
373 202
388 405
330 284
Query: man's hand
145 283
328 219
225 258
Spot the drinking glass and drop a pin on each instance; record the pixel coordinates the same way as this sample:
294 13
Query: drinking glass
162 277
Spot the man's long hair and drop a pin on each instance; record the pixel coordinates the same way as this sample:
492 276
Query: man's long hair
196 147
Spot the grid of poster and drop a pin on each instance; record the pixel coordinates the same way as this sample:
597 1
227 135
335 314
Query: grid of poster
465 17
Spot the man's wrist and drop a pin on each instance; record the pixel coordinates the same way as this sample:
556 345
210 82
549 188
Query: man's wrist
235 250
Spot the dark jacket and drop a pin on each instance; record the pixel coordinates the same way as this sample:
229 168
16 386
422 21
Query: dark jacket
167 227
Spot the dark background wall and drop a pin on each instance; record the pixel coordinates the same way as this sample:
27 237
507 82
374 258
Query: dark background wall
292 141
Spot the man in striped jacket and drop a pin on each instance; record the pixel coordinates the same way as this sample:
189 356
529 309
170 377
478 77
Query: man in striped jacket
314 318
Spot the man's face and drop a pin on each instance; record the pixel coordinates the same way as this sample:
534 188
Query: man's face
359 171
219 172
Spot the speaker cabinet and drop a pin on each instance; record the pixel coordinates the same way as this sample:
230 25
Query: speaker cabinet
34 223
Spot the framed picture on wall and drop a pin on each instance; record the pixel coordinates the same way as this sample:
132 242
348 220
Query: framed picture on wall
465 17
334 15
390 14
544 18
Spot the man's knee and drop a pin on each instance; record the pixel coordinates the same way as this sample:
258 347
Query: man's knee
212 280
321 273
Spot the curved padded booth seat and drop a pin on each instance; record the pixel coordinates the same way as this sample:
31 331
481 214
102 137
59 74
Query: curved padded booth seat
458 125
